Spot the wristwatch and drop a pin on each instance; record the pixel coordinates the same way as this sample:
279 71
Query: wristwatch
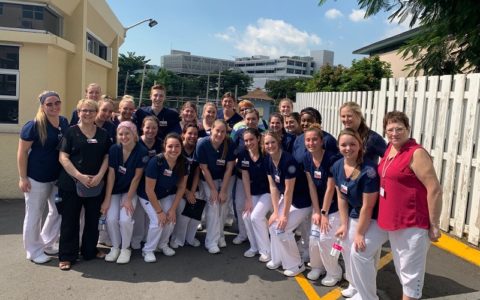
323 212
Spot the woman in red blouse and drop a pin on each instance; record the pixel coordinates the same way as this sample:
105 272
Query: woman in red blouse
410 202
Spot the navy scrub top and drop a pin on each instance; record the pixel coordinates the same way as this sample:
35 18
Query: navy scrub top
206 154
168 120
299 150
257 171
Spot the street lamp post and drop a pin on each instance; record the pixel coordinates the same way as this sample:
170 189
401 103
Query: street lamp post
151 23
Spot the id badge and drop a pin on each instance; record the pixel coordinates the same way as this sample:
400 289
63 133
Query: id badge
163 123
220 162
382 192
343 189
122 170
277 178
152 152
92 141
317 174
167 172
245 163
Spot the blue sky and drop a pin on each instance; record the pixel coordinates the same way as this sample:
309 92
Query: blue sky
228 29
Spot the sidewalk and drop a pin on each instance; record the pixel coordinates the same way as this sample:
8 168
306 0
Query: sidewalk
194 274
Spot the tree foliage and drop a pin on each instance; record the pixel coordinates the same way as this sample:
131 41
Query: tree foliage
449 39
286 88
177 85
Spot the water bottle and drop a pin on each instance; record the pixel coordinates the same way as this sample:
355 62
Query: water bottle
280 233
102 223
336 248
315 233
57 198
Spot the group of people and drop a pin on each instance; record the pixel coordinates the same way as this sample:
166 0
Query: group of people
277 177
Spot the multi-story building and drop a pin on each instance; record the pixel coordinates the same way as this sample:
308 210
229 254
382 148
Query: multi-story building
183 62
263 68
50 45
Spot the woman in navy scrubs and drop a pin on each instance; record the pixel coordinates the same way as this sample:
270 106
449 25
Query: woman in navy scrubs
357 185
258 202
215 155
84 157
186 227
104 118
209 116
290 206
160 193
154 145
38 168
228 112
275 125
352 117
325 217
126 161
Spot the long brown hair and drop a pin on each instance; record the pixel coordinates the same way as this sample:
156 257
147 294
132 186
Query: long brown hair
356 135
357 110
179 168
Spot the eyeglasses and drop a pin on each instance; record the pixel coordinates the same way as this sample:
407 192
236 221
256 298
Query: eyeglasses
51 104
395 130
88 111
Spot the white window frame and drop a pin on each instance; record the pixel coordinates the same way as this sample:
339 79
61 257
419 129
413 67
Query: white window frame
17 83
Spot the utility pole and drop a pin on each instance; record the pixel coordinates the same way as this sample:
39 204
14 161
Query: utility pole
208 87
126 83
218 86
141 87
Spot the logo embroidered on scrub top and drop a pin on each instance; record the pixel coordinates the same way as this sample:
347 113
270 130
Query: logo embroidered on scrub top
146 158
371 173
292 169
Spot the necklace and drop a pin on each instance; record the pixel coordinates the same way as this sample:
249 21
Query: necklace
352 173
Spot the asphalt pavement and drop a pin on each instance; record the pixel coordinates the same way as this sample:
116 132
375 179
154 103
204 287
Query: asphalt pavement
193 273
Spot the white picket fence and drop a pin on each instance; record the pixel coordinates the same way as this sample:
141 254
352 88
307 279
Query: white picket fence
444 113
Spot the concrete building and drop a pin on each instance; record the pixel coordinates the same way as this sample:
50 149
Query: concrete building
387 50
263 68
50 45
183 62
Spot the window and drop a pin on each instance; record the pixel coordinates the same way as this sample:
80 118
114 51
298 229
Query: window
36 17
9 84
96 47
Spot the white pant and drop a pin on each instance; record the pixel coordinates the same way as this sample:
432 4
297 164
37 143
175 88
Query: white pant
284 248
158 235
140 227
361 267
216 213
239 206
119 222
256 224
320 248
185 228
409 249
35 237
303 243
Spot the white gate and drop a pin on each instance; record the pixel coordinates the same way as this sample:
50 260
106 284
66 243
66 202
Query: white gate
444 113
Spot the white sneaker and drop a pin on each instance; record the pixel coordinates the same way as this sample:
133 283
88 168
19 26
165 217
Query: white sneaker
295 271
315 273
124 257
41 259
273 266
250 253
199 227
214 250
112 255
53 250
149 257
167 251
330 280
349 292
222 243
238 240
195 243
264 258
174 244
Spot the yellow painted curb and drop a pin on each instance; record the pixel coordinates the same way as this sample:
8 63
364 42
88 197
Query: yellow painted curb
459 249
307 287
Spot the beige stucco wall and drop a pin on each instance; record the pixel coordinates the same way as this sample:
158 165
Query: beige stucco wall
49 62
397 63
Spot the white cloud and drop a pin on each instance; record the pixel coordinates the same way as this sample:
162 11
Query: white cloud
271 37
394 27
228 35
333 14
357 15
